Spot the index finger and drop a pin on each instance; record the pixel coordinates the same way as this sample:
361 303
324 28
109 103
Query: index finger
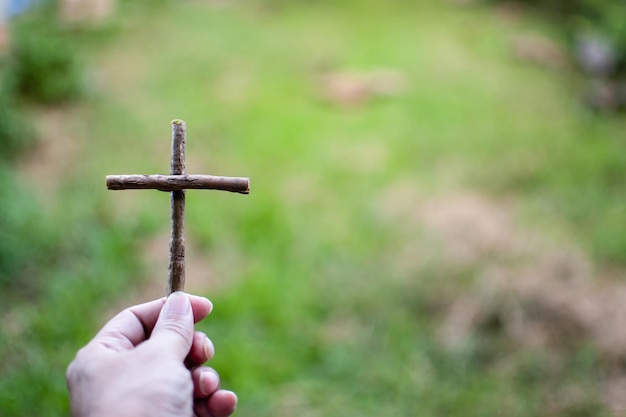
134 325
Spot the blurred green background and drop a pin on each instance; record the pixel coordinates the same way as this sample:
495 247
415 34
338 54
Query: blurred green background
436 218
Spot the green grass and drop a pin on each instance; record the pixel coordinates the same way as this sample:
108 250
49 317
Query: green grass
316 317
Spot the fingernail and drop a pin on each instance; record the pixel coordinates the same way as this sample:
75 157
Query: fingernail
208 382
209 349
177 303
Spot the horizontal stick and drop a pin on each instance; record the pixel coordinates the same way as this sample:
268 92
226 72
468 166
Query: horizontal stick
178 182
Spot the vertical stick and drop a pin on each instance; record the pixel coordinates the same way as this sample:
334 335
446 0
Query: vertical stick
177 200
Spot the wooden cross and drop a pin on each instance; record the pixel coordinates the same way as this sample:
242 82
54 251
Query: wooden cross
176 183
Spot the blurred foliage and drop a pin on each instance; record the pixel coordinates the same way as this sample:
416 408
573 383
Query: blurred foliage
88 264
44 65
40 66
607 17
25 240
601 17
48 254
16 134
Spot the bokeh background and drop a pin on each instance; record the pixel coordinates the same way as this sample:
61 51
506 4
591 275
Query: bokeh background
436 219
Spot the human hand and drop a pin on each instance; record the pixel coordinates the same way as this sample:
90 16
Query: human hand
147 361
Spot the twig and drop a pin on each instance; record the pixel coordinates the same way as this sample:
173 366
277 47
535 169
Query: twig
178 182
176 280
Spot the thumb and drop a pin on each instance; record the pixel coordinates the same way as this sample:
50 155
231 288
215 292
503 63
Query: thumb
174 330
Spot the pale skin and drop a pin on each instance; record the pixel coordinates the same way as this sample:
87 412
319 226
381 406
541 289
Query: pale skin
148 361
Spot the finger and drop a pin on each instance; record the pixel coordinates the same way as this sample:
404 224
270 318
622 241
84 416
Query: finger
134 325
221 404
202 350
130 327
205 381
173 331
148 313
201 307
200 409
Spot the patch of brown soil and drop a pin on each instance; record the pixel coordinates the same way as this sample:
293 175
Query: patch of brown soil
353 88
471 228
554 302
539 50
91 12
542 295
58 145
614 392
400 201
